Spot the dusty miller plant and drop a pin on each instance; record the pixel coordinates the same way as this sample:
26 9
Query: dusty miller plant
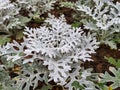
10 17
24 77
55 50
38 5
10 12
35 8
7 12
57 46
115 78
100 16
81 80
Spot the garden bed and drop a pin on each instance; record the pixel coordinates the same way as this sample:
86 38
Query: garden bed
27 64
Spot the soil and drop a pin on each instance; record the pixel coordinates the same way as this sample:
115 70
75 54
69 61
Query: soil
99 62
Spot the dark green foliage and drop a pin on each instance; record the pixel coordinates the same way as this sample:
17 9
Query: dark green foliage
115 62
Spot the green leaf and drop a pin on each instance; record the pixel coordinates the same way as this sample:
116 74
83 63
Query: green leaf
112 44
0 86
76 24
113 61
4 40
77 86
105 78
46 87
102 86
19 35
